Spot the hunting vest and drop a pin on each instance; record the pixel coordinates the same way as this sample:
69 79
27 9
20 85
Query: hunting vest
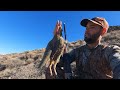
96 65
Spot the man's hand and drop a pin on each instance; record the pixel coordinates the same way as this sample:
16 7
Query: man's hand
58 27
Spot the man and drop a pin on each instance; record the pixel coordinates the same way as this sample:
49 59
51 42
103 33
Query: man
94 60
54 51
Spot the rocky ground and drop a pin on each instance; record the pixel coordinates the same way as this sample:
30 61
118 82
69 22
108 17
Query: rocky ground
25 65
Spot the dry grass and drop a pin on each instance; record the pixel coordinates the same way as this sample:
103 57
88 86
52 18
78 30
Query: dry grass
17 68
112 38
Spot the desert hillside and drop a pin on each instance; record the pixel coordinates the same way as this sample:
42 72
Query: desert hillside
24 65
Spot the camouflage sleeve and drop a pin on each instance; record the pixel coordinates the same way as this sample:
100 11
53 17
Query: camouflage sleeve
68 59
72 54
114 58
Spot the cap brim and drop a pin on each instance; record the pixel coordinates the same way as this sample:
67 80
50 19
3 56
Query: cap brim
85 21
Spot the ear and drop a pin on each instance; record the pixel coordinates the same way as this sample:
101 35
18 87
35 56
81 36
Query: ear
103 31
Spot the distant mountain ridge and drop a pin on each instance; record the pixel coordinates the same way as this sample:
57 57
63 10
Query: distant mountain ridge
113 28
24 65
113 36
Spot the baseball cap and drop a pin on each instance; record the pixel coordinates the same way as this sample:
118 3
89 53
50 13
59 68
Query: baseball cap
97 20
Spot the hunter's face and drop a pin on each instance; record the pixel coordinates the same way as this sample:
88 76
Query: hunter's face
92 33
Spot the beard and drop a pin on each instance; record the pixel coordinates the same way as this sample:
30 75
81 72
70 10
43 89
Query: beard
92 38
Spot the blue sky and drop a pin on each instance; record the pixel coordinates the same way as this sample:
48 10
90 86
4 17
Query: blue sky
29 30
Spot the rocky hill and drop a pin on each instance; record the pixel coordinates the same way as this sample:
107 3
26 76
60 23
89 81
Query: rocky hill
25 65
113 36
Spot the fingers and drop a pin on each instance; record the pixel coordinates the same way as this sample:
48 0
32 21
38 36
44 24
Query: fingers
58 26
59 23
